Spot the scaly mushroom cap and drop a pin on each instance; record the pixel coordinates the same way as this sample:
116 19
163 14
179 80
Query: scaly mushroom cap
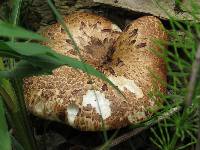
135 59
94 35
69 96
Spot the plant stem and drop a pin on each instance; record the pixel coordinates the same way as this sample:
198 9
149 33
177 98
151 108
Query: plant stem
16 11
6 91
173 141
191 87
4 133
193 77
23 110
198 140
18 115
16 118
21 134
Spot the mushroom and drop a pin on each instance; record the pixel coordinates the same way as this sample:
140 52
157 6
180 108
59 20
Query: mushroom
90 104
135 63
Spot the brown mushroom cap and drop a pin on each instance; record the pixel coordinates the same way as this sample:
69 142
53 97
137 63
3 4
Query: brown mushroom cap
135 52
94 35
136 60
68 95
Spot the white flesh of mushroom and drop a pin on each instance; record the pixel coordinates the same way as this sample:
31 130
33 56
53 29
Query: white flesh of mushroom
98 101
72 111
124 83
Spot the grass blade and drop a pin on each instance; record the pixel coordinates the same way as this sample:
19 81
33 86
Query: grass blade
42 56
5 143
16 11
12 31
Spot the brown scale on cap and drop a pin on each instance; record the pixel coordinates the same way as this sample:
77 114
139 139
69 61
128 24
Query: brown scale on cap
69 96
93 34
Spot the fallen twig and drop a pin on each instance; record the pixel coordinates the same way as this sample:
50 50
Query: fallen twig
193 77
191 87
134 132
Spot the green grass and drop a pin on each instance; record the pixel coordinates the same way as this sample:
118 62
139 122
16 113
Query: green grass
184 125
4 134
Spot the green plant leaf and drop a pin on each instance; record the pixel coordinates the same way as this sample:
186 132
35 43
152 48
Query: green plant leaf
9 30
5 143
23 68
41 57
25 49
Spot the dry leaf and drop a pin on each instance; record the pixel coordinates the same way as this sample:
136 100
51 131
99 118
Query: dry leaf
151 7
